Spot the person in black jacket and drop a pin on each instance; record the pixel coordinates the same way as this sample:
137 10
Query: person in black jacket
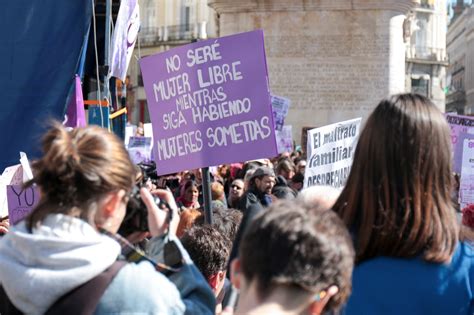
256 198
258 194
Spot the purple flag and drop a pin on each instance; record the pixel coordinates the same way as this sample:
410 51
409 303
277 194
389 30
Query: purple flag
76 116
209 103
124 38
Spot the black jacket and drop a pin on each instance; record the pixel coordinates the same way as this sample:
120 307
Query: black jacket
251 204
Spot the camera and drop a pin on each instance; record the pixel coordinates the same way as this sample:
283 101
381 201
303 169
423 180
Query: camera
136 216
169 182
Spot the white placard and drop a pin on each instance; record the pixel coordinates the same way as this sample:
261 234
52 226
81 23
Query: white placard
466 189
129 132
330 153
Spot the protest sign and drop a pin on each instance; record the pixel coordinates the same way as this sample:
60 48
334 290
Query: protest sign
466 189
148 130
459 124
330 151
209 103
130 131
280 106
285 139
21 201
25 166
139 149
459 148
12 175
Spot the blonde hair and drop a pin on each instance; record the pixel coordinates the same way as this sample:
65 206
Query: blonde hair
77 169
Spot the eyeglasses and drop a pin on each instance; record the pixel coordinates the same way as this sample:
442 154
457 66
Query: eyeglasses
237 187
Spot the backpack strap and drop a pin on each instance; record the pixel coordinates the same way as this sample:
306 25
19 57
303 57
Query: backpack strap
81 300
85 298
6 306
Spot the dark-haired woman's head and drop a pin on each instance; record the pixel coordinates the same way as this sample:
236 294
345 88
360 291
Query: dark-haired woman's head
297 248
397 198
82 171
285 168
191 191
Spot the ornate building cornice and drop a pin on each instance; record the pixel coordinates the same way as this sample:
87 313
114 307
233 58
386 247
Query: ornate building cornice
241 6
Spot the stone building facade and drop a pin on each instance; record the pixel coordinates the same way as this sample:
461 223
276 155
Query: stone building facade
460 47
426 57
335 59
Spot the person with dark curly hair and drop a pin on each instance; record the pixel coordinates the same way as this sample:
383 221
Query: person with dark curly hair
226 221
295 258
209 249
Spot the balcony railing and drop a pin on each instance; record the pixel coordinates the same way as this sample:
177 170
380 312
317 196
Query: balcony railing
427 4
426 54
186 32
456 96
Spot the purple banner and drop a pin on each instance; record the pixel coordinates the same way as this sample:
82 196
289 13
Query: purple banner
459 125
209 103
76 115
21 202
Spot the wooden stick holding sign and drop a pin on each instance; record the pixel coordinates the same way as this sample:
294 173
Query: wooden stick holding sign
206 193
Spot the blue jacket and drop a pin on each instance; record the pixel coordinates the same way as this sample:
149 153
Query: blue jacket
412 286
140 289
64 252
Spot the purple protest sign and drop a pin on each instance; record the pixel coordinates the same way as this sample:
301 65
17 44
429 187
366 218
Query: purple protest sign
209 103
459 149
280 107
21 201
139 149
285 139
459 125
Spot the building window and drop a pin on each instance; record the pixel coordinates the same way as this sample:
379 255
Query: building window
420 86
187 18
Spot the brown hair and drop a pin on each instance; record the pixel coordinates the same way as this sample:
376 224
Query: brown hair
301 246
186 220
77 169
396 201
285 165
208 248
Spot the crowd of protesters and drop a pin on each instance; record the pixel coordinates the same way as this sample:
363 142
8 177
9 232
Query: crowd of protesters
390 242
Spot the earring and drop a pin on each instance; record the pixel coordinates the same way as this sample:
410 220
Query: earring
318 297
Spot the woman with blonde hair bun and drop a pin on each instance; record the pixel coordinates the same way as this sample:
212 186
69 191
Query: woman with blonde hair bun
68 244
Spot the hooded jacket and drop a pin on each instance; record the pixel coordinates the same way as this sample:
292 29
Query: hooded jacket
64 252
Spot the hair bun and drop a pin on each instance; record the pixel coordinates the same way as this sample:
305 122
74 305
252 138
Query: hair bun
60 163
60 150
